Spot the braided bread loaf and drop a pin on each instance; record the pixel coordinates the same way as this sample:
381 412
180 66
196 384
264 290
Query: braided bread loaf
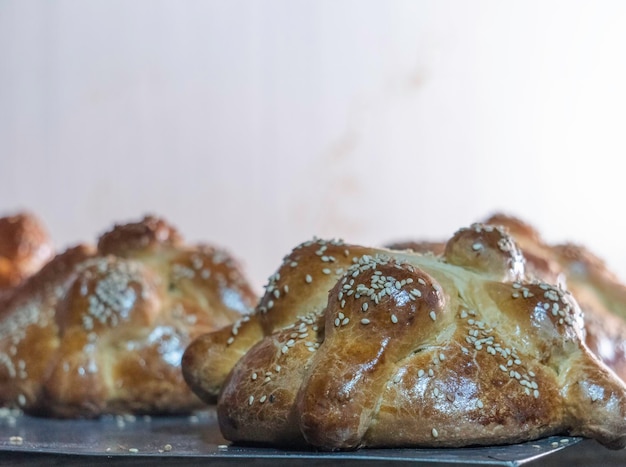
600 294
102 330
354 346
24 248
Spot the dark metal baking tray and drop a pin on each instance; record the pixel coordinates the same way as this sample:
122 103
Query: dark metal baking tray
198 438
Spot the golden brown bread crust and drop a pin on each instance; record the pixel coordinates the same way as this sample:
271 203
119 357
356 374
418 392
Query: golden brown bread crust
102 330
25 247
600 294
404 349
315 261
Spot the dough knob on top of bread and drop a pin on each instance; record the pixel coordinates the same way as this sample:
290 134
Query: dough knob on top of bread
102 330
25 247
385 348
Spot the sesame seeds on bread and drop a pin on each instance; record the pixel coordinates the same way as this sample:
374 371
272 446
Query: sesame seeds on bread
369 347
102 329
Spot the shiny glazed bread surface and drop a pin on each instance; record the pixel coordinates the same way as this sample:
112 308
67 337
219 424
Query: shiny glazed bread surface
353 346
102 329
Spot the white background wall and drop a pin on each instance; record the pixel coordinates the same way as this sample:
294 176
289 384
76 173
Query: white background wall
258 124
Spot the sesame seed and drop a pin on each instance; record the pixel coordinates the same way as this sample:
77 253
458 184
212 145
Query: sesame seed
230 340
262 399
345 321
16 440
536 394
433 316
431 372
251 400
436 392
254 376
394 319
442 357
365 321
308 278
364 306
479 404
133 450
326 271
284 349
337 322
477 246
435 432
420 373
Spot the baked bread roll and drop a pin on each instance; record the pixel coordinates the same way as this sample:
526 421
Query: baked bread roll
25 247
362 347
102 330
598 291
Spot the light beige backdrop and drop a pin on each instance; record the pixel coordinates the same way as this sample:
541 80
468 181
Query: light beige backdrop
258 124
